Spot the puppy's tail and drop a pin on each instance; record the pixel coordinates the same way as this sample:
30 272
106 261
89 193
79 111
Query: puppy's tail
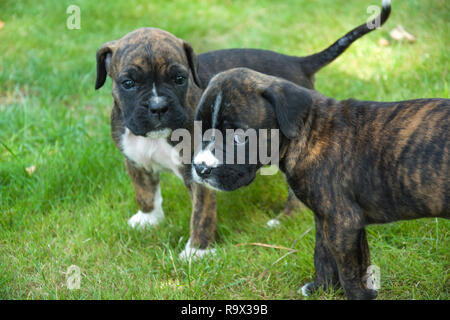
315 62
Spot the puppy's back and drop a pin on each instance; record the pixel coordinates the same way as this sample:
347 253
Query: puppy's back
409 143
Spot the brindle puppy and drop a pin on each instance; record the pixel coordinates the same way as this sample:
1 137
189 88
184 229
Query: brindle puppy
354 163
157 82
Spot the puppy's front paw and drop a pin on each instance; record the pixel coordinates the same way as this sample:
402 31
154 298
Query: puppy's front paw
193 253
273 223
141 220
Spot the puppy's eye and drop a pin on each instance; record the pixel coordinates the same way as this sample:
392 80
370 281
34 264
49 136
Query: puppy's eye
179 80
240 139
128 84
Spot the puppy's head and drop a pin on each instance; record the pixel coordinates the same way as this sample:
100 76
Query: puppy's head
152 73
240 111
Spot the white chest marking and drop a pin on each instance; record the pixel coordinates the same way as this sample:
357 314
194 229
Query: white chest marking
151 153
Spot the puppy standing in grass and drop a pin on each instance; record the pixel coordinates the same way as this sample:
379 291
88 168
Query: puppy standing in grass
157 82
353 163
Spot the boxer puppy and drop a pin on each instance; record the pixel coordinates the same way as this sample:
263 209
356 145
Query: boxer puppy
157 82
353 163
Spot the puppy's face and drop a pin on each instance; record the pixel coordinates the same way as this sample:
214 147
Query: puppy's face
241 113
152 72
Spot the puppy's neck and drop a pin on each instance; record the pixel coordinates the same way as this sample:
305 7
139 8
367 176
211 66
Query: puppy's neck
315 134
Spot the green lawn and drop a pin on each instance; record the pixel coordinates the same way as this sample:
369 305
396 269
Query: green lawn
74 208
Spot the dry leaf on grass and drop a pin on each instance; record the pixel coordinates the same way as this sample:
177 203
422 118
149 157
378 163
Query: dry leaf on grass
384 42
399 33
264 245
31 169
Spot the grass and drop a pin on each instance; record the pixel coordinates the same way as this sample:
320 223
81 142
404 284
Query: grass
73 209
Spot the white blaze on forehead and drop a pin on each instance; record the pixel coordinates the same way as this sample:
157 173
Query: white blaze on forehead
206 156
216 109
155 98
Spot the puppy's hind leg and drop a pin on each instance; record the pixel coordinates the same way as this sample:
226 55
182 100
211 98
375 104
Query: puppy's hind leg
347 241
291 206
148 195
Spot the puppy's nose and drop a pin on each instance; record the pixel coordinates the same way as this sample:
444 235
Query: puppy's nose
158 107
202 170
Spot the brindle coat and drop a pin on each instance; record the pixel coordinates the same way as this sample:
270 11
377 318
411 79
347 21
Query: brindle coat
149 55
353 163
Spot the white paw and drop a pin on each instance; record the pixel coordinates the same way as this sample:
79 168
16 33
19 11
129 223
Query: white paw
192 253
142 220
273 223
305 290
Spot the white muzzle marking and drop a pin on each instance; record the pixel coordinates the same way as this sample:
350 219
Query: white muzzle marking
206 157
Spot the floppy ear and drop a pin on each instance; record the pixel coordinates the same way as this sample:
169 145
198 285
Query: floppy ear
193 62
103 62
291 104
